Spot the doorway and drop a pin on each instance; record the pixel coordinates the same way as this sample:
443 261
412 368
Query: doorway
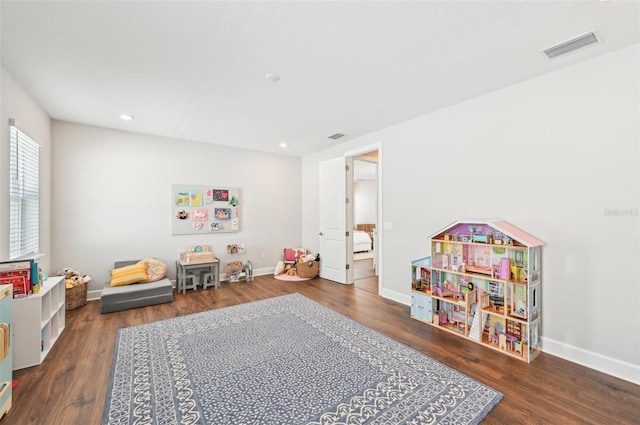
364 210
336 217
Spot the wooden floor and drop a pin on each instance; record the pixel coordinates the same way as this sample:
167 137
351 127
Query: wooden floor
365 275
70 386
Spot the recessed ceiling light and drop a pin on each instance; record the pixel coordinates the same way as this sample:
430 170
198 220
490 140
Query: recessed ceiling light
126 117
273 78
283 145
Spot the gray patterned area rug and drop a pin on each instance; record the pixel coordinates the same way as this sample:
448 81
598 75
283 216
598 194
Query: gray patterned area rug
284 360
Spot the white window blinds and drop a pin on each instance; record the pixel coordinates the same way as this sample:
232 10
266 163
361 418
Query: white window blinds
24 194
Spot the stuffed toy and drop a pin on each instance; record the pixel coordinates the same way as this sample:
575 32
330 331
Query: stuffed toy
307 258
68 272
72 277
290 270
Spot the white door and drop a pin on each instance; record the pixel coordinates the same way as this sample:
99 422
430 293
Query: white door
333 217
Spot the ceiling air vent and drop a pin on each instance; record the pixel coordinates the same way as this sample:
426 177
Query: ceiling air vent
336 136
571 45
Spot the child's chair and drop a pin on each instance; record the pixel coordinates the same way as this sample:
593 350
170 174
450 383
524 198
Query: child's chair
502 342
181 281
493 336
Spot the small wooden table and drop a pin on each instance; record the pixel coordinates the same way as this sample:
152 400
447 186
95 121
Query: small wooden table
511 339
209 268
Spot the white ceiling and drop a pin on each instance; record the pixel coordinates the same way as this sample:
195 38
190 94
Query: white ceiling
196 70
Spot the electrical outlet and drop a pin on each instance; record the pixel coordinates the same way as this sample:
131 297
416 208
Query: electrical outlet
263 255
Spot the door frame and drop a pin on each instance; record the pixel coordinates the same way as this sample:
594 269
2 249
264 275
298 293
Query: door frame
380 236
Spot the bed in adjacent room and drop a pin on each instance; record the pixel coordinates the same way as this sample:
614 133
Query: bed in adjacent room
361 241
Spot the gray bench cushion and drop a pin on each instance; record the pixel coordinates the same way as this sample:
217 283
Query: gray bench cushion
136 295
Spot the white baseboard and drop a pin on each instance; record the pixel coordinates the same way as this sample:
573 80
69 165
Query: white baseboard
264 271
396 296
610 366
94 295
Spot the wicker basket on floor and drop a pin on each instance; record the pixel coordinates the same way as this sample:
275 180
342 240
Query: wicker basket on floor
308 269
75 297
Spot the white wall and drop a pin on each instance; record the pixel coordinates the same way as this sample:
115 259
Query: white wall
364 202
550 155
112 199
32 120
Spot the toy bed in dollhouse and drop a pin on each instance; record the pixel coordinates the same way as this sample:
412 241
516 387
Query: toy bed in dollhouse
361 241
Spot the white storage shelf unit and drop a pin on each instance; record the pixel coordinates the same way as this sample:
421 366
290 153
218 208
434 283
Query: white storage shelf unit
38 321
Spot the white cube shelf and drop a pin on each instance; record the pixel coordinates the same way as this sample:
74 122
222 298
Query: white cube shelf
38 321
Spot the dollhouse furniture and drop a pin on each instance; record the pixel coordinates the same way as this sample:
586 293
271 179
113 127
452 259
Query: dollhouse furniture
421 307
443 292
517 347
510 341
493 336
485 277
502 342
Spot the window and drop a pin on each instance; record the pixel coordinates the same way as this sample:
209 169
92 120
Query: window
24 194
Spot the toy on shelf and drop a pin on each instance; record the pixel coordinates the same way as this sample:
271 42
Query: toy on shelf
239 271
235 248
444 292
235 271
197 254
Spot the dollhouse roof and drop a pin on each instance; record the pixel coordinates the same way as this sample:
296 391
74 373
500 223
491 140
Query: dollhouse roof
499 225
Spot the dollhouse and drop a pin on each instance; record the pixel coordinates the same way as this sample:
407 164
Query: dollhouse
482 282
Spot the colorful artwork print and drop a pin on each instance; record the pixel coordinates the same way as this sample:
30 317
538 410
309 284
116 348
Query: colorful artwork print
222 213
199 214
204 209
208 196
195 198
220 195
182 197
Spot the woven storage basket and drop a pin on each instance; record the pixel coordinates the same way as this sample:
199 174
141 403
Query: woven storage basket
308 269
75 297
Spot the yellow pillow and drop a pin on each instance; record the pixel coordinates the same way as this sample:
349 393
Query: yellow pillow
129 274
156 269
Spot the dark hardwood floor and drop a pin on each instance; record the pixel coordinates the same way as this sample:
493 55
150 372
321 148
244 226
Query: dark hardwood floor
365 275
70 386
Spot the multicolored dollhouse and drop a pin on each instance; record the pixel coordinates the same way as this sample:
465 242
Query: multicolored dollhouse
482 282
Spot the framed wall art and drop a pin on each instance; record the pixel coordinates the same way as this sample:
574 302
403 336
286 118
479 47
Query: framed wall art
201 209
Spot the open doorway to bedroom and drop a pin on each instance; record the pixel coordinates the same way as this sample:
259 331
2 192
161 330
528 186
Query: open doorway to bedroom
365 217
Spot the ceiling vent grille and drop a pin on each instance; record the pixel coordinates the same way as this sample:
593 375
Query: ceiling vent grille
336 136
571 45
